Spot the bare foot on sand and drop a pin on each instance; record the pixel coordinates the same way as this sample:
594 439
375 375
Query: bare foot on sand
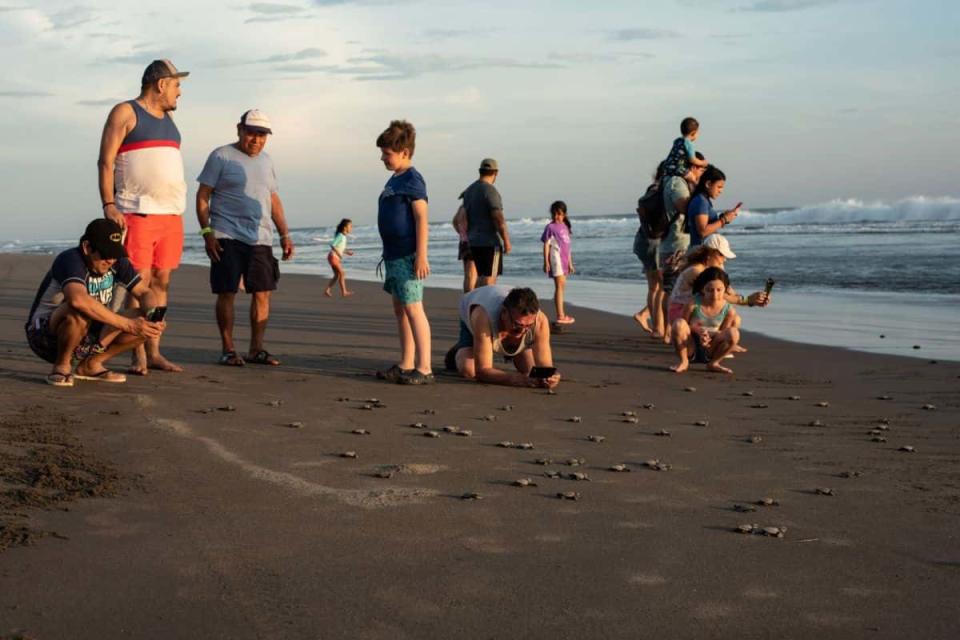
138 363
162 364
715 366
681 367
739 349
642 318
327 293
347 293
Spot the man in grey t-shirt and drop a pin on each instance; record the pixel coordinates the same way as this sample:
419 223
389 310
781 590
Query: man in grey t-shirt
236 201
486 228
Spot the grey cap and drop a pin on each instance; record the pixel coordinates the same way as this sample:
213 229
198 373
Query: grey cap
489 164
159 69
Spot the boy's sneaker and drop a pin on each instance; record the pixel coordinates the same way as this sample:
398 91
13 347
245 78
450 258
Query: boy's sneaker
417 377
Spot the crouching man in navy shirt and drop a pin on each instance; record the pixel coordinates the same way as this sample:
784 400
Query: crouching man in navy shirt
74 315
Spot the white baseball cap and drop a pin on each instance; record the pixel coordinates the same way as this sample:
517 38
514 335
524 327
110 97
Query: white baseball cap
718 242
256 120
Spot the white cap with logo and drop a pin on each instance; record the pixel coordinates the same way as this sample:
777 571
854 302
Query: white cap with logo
718 242
256 120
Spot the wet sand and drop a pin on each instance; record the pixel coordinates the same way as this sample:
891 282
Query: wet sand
233 524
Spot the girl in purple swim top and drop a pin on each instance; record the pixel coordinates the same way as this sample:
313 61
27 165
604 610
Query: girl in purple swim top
557 258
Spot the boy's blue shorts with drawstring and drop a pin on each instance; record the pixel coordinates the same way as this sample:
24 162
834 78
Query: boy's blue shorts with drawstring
401 281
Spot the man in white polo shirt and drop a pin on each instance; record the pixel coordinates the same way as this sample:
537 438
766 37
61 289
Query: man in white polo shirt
236 202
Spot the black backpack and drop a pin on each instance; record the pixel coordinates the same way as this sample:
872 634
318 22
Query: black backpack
654 221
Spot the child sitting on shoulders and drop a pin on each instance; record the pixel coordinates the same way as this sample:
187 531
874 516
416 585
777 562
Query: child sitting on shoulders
707 333
557 257
338 248
683 154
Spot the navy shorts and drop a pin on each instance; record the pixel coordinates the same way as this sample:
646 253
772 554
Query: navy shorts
489 260
252 262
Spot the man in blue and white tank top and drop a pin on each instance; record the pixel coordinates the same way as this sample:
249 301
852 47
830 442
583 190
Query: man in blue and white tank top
142 187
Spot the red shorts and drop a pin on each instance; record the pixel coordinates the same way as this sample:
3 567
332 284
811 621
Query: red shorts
154 241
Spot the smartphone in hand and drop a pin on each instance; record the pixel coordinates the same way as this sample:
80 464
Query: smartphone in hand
157 314
769 286
542 373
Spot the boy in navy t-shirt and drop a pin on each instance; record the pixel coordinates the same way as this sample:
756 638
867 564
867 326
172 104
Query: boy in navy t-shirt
683 154
403 226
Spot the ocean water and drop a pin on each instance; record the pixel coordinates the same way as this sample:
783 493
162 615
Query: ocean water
881 277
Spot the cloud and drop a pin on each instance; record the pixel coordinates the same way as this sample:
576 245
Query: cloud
102 102
303 54
273 8
629 35
450 34
70 17
24 94
401 67
782 6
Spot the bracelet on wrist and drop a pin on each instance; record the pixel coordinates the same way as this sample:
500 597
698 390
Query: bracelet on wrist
205 231
107 204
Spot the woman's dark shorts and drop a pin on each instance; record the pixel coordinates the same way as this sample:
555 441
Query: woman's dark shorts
463 251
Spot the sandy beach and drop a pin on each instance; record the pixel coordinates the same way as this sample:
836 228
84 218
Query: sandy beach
187 506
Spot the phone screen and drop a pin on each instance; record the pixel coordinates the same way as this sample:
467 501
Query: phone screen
542 372
158 314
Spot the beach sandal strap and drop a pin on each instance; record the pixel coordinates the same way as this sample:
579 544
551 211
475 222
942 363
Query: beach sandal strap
263 357
231 359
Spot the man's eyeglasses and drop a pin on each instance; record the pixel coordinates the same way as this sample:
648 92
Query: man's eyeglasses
517 326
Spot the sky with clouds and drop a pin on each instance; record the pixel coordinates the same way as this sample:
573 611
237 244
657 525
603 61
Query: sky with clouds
800 101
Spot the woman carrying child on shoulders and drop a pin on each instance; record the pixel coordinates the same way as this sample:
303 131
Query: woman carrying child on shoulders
708 331
338 248
557 258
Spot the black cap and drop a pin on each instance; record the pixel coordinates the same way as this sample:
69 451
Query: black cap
106 238
159 69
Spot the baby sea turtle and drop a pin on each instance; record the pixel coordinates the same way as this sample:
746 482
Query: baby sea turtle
656 465
343 399
631 420
824 491
576 419
524 482
629 414
348 454
505 444
884 397
850 474
578 476
373 400
774 532
884 420
747 394
490 418
418 425
295 425
596 439
367 407
431 434
702 423
552 474
275 403
755 439
883 427
768 502
878 439
793 398
544 461
649 406
568 495
228 407
907 449
463 433
471 495
760 406
620 468
360 432
746 528
451 429
929 407
429 412
384 473
576 462
526 446
744 508
874 432
689 389
663 433
815 423
823 403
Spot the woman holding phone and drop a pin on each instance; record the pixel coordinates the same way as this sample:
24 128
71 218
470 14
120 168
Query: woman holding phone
702 219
